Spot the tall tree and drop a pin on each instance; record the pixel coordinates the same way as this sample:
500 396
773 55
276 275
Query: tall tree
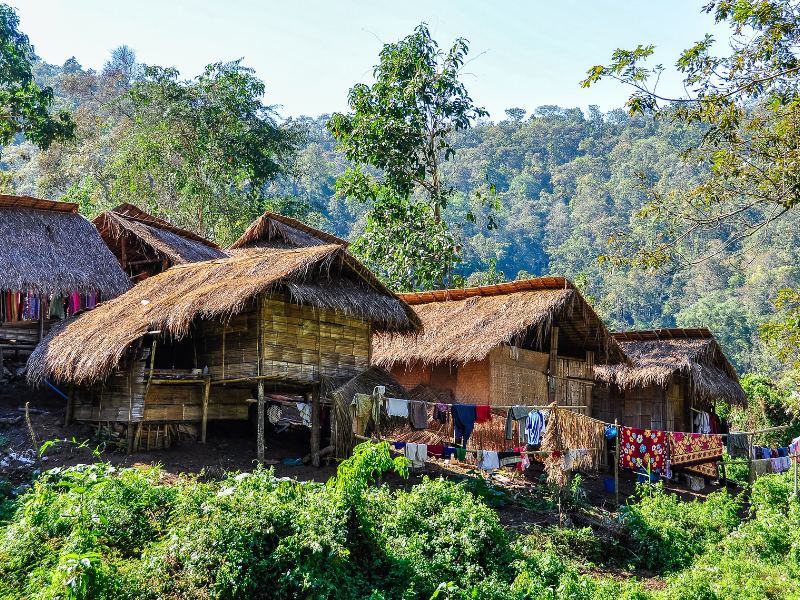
26 107
401 126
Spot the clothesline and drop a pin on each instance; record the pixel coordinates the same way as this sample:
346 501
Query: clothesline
498 406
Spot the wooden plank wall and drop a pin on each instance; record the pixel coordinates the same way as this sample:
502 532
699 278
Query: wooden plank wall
574 383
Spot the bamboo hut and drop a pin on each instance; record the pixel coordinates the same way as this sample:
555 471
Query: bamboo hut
669 373
52 264
203 341
146 245
527 342
273 230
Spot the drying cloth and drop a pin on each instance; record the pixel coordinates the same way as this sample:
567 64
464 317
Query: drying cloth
489 460
440 412
418 414
436 450
304 408
362 410
760 467
776 465
571 456
766 453
702 422
483 413
525 461
396 407
783 452
416 453
687 449
639 448
463 421
399 445
448 452
515 413
534 426
461 454
794 448
508 459
705 469
738 446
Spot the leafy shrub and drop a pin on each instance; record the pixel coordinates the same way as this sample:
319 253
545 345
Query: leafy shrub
667 533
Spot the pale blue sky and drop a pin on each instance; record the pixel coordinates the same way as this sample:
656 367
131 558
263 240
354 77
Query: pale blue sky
309 53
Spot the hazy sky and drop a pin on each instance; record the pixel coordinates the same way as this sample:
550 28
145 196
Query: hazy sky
309 53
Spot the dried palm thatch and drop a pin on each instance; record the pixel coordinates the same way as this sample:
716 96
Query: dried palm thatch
363 383
567 430
656 356
89 347
152 237
272 230
461 326
48 248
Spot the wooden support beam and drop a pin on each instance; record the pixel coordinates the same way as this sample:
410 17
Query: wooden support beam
260 424
70 406
315 425
204 422
553 364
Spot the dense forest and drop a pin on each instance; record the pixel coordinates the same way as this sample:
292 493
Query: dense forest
561 182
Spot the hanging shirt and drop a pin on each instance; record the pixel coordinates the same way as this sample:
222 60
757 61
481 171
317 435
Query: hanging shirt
418 414
702 422
488 460
534 426
463 421
397 407
416 453
483 413
515 414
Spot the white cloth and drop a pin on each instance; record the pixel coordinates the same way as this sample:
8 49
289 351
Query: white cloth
305 412
397 407
416 453
702 422
489 460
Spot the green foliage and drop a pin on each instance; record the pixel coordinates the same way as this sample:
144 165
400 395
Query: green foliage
26 106
783 330
768 405
668 533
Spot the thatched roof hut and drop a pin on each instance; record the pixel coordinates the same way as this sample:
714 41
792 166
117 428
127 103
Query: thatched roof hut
656 357
144 243
167 304
465 325
48 248
517 342
273 230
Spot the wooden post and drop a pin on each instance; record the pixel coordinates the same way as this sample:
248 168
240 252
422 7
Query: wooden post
70 404
749 459
260 425
315 425
206 392
616 465
553 363
41 320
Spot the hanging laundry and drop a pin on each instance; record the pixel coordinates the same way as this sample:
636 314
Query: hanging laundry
461 454
702 422
397 407
435 450
692 449
464 417
57 308
783 452
416 453
534 427
508 459
362 411
399 445
525 462
488 460
738 445
448 452
776 465
639 448
766 453
483 413
418 414
610 432
91 300
760 467
794 448
304 409
441 412
515 414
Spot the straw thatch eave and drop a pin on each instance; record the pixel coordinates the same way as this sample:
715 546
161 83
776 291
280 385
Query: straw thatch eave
273 230
90 346
468 328
656 362
47 249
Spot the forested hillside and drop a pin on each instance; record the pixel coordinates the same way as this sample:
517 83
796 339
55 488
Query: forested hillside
564 183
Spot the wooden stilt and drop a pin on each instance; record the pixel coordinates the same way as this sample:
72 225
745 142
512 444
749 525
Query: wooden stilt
260 425
315 425
70 405
206 392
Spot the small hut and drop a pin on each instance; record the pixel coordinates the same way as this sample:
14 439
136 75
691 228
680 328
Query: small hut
202 341
52 264
273 230
524 342
669 374
146 245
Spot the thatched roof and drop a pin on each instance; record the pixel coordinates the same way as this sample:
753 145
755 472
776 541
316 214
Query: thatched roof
464 325
47 247
148 237
655 356
272 230
89 347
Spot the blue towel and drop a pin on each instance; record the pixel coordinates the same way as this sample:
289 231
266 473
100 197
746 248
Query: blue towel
399 445
448 452
463 421
783 452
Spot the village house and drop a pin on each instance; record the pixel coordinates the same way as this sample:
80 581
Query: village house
529 342
669 376
52 265
206 340
146 245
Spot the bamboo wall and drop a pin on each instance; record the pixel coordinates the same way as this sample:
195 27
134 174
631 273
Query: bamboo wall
518 376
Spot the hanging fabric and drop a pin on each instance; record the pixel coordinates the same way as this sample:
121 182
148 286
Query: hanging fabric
639 448
440 412
483 413
464 417
418 414
397 407
516 414
691 449
534 426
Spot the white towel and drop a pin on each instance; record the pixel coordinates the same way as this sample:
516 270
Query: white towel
416 453
397 407
489 460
